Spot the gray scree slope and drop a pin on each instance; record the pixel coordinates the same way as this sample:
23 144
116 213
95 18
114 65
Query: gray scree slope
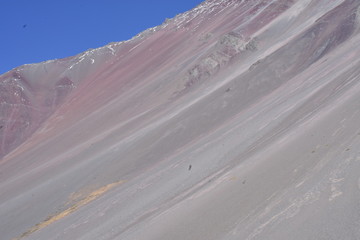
234 120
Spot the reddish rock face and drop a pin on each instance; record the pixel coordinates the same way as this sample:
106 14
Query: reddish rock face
235 120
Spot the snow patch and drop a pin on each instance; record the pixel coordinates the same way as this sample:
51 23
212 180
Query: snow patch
335 192
135 47
111 49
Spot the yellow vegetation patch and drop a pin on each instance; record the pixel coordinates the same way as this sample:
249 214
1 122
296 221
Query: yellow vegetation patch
82 202
233 178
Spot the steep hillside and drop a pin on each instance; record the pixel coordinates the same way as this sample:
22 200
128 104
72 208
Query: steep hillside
235 120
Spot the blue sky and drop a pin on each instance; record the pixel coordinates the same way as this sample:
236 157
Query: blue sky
39 30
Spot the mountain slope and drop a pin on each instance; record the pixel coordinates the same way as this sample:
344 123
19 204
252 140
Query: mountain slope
235 120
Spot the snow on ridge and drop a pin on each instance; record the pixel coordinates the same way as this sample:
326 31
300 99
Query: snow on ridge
205 7
176 22
182 19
